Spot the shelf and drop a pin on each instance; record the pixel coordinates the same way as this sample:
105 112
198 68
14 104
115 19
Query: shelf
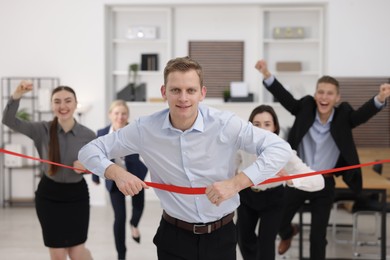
22 202
307 50
24 97
16 189
140 73
122 51
132 9
296 73
138 41
22 167
289 41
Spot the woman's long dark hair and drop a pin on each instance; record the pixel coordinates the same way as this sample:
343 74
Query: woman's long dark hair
54 145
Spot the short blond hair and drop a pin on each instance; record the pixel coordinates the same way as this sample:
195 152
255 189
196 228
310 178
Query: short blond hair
118 103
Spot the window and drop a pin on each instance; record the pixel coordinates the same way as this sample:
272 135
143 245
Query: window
222 63
356 91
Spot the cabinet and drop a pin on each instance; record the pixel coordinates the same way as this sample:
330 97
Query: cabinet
130 33
19 177
294 34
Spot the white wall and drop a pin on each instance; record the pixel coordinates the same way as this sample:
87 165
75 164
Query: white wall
65 38
358 39
56 38
229 23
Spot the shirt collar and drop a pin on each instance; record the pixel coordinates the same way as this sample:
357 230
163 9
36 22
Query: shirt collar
330 119
74 130
111 129
198 124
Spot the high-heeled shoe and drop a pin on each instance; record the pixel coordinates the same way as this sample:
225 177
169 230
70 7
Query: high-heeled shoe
135 234
137 239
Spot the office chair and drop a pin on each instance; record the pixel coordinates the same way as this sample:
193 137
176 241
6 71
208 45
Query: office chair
305 208
341 197
367 205
367 208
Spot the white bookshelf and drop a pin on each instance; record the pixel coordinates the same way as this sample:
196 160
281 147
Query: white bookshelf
307 50
122 50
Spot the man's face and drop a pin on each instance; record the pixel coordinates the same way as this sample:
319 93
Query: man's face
183 93
326 97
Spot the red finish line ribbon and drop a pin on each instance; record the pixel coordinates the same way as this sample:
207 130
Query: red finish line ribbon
202 190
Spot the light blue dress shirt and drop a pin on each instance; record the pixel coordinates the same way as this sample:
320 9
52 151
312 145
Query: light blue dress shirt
318 148
196 157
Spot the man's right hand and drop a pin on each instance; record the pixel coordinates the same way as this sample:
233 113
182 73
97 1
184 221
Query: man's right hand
261 66
127 183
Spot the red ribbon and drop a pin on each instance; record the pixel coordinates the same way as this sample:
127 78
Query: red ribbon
202 190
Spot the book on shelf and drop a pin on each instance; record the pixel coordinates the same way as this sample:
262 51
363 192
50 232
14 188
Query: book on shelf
149 62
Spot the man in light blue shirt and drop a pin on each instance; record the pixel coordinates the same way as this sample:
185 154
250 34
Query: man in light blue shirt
193 146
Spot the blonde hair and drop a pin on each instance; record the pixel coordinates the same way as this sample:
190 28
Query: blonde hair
117 103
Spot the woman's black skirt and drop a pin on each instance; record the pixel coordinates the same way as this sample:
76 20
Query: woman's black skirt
63 211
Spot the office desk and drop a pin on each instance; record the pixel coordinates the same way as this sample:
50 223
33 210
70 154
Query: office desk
373 182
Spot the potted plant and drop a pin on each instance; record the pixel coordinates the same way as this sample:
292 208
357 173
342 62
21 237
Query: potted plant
23 114
133 73
226 95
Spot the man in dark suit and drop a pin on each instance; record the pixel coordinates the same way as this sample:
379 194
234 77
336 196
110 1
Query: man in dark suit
322 136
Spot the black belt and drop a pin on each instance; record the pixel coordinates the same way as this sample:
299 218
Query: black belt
199 229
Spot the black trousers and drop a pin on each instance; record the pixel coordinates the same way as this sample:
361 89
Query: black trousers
266 207
174 243
320 207
118 202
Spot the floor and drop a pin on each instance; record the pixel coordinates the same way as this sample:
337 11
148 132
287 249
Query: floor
21 235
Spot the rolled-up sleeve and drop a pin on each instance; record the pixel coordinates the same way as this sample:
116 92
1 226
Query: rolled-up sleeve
94 158
272 152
